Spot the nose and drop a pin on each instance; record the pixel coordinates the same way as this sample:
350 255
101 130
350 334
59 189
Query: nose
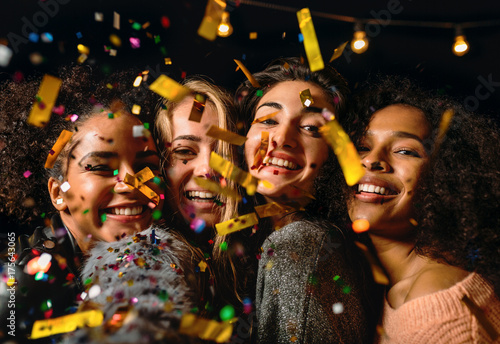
283 136
120 185
375 161
202 167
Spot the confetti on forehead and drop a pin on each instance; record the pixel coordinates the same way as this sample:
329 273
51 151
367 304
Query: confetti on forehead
338 52
197 108
226 135
247 73
311 44
169 88
62 140
47 93
306 98
211 20
343 148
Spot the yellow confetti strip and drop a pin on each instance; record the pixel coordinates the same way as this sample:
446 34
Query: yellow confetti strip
169 88
229 171
212 19
62 140
192 325
338 51
306 98
261 153
481 318
215 187
237 224
311 44
137 182
197 108
67 323
226 135
274 208
247 73
47 95
344 150
264 118
378 273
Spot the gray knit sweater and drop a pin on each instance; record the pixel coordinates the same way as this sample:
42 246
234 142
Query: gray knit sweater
307 289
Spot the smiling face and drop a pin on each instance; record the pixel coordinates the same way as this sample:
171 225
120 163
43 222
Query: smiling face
296 150
98 202
394 157
189 158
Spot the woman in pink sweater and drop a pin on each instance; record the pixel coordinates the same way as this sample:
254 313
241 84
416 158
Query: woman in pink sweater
431 199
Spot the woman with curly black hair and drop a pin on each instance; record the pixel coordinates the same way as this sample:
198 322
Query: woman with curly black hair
431 199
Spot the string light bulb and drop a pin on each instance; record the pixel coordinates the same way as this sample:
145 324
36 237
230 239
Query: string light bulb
359 42
460 46
225 28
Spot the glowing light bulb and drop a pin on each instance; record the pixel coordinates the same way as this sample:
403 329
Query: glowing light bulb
359 42
225 28
460 46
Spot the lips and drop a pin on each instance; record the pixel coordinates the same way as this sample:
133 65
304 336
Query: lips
278 162
126 211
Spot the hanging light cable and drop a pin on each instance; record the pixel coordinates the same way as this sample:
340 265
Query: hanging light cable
460 46
359 42
225 28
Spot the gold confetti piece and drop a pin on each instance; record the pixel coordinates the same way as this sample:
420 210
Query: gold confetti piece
137 182
306 98
168 61
197 108
247 73
360 225
226 135
62 140
192 325
269 265
481 318
237 224
274 208
414 222
215 187
443 128
136 109
378 273
202 265
343 148
338 51
169 88
230 171
252 35
211 20
116 20
311 44
261 153
264 118
67 323
47 95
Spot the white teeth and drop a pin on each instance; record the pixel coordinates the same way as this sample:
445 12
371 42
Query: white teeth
279 162
127 211
286 163
373 189
265 160
200 194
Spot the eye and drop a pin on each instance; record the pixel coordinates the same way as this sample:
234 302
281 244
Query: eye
183 153
362 149
269 121
409 152
311 128
99 169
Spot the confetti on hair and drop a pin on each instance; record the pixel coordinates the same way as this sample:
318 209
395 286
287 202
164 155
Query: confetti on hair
481 318
212 330
211 20
217 188
169 88
27 173
237 224
47 94
67 323
138 181
360 225
378 273
62 140
311 45
338 52
343 148
444 124
197 108
247 73
341 283
306 98
226 135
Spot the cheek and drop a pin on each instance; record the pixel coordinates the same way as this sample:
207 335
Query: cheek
177 172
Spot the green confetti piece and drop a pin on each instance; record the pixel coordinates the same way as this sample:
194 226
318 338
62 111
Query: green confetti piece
226 313
136 26
346 289
115 172
87 281
43 215
157 180
86 211
39 276
157 39
156 214
111 115
163 295
259 93
146 125
163 50
223 246
103 217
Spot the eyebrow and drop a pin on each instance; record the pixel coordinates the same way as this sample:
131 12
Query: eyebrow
400 134
188 137
307 109
107 155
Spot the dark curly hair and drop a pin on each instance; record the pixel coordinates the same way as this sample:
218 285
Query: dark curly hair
457 200
24 147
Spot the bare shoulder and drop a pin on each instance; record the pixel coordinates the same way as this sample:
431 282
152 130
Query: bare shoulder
433 279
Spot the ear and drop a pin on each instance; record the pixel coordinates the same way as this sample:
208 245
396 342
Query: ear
56 195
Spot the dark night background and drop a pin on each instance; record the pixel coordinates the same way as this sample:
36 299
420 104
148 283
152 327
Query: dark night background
422 53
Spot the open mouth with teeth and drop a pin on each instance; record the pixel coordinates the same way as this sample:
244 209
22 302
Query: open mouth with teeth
128 211
277 162
371 188
200 196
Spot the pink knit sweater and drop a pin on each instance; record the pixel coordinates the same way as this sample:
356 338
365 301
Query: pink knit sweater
443 318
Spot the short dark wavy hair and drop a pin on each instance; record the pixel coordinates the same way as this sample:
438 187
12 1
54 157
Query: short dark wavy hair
457 201
24 147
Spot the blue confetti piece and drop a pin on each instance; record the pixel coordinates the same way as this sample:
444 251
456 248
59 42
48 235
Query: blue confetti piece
301 38
79 35
33 37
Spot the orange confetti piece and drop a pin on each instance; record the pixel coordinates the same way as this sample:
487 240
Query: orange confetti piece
338 51
247 73
264 118
57 148
47 95
360 225
226 135
197 109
